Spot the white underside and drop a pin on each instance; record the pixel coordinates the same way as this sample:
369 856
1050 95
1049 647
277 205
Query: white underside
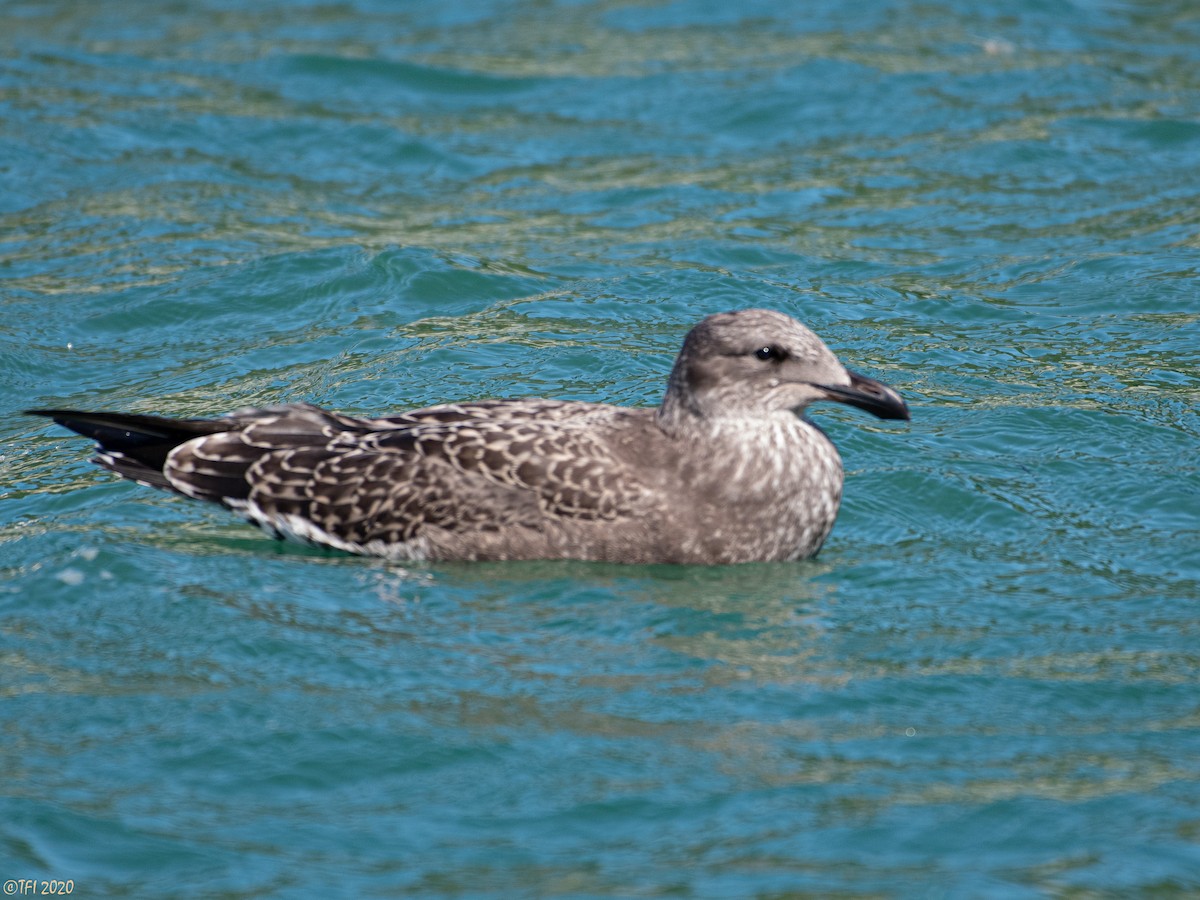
299 530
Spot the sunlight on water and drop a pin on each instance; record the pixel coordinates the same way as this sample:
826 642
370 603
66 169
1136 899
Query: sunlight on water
985 686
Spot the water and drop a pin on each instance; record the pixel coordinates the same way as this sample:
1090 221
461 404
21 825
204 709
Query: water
986 686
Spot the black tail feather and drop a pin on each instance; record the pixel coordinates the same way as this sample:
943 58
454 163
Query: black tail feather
132 445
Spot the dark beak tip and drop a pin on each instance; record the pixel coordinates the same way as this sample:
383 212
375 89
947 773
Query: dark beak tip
898 409
871 396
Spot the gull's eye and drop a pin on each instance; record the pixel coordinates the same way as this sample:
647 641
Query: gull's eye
769 353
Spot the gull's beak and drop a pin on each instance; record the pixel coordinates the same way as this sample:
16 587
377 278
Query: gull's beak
867 393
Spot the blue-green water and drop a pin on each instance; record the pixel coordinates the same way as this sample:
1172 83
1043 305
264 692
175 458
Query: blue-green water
988 685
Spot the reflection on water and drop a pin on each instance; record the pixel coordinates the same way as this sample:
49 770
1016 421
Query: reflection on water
985 684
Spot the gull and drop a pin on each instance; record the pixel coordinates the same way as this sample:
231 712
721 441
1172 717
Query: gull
727 469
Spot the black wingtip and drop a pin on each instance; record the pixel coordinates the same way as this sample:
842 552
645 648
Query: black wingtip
132 445
139 439
76 420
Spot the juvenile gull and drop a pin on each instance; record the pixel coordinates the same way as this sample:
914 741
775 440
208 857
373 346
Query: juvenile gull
726 470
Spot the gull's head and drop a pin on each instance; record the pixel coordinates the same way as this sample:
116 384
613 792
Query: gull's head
757 362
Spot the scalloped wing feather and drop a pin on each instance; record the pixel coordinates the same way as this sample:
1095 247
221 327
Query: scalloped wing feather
457 468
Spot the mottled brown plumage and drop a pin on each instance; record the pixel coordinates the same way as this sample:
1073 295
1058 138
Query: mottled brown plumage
726 470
